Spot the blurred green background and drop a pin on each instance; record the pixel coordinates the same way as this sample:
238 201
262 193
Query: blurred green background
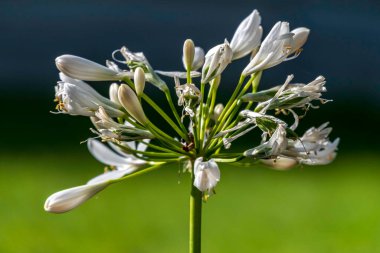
332 208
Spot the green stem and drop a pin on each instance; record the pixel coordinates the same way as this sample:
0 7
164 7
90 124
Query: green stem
201 119
176 115
164 115
195 218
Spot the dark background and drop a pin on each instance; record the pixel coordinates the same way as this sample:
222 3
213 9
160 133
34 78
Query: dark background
343 46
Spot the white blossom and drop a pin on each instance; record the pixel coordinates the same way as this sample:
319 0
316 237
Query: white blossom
83 69
216 61
276 47
68 199
247 36
207 174
76 97
296 95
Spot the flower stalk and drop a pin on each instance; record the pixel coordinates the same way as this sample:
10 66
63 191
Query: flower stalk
195 221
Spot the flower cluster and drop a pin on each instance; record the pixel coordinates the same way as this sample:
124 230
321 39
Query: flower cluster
130 144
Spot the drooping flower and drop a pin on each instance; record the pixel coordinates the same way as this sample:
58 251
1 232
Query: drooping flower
207 174
247 36
68 199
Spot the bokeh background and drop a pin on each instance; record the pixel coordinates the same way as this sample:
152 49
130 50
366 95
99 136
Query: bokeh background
333 208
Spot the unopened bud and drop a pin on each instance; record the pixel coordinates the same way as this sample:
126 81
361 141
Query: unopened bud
139 79
188 53
113 93
218 110
131 103
83 69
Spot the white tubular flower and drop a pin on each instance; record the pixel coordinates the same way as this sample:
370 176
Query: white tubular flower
276 144
278 141
207 175
314 147
110 130
75 97
216 61
276 48
83 69
247 36
131 103
297 95
68 199
299 38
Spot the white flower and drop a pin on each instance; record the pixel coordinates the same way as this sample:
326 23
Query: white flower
276 47
299 38
296 95
83 69
68 199
313 148
247 36
76 97
216 61
276 144
207 174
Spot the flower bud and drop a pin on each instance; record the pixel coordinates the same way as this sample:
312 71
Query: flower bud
113 93
217 111
83 69
188 54
131 103
139 79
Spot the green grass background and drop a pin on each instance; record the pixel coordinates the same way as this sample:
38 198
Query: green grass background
332 208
